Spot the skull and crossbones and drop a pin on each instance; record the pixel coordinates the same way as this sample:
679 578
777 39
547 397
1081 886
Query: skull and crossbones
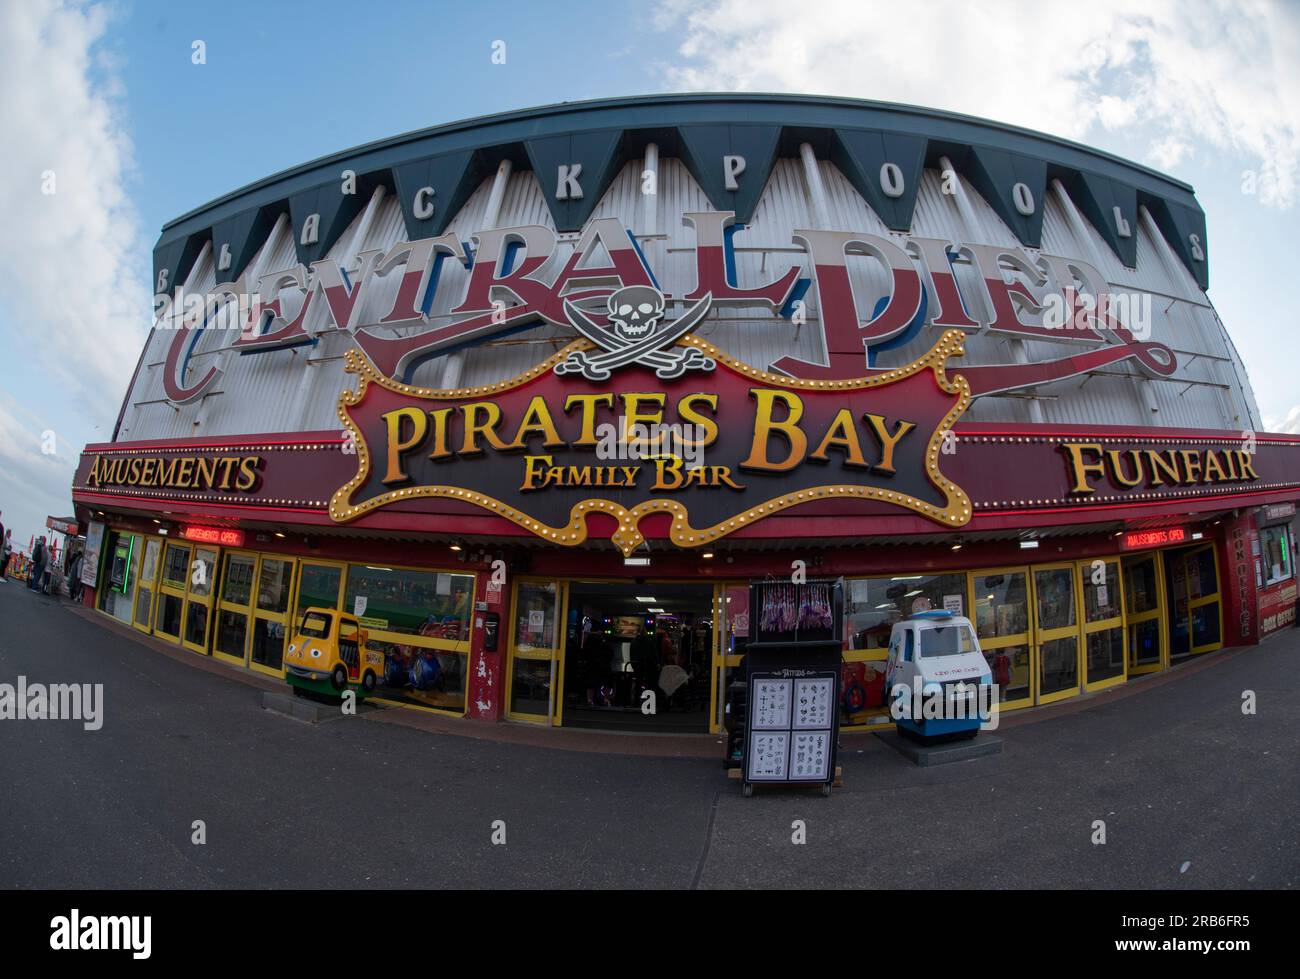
633 335
634 311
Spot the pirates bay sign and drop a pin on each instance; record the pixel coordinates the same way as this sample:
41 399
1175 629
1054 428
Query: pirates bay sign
510 286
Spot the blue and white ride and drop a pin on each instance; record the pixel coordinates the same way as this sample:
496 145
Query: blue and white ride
934 674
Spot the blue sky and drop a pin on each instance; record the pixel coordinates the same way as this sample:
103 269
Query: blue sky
107 97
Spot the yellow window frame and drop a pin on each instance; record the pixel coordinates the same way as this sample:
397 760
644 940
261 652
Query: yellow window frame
165 588
1025 638
152 584
1101 625
285 618
224 604
208 603
1044 635
1132 618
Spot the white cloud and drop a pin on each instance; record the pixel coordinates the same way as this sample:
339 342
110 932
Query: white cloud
74 298
1222 73
72 279
1289 425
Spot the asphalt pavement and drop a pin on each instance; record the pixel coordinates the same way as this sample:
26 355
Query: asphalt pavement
1193 792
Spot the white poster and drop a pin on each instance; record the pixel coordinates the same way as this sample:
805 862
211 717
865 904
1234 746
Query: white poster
771 707
359 606
812 703
536 622
810 756
952 603
444 583
90 560
768 755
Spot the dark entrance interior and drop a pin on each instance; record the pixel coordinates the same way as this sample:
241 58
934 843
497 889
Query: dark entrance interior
626 639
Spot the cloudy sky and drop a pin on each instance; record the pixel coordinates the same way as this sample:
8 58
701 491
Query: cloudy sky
110 130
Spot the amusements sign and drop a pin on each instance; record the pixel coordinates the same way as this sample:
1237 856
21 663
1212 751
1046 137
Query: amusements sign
629 429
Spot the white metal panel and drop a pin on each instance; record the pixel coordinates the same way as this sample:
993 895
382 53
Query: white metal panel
268 391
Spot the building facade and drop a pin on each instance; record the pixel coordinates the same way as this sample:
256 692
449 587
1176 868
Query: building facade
536 396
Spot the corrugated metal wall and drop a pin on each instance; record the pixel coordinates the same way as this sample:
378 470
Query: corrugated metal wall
298 389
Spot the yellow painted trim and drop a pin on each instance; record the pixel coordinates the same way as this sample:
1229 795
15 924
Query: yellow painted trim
956 511
1042 635
1025 638
1101 625
147 626
547 654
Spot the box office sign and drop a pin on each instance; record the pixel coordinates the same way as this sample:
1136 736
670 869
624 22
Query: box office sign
639 419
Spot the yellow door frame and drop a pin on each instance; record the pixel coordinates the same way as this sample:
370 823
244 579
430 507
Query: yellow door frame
1101 625
283 618
722 661
1132 618
1025 638
169 589
207 603
224 604
1194 603
553 655
1044 635
147 625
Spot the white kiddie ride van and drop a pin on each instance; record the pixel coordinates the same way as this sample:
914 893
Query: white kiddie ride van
937 682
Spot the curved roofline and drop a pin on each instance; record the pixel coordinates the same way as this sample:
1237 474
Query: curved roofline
674 98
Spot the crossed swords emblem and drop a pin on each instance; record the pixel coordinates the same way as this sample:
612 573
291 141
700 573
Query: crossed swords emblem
635 335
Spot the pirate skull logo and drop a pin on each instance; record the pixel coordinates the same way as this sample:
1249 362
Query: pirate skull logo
634 311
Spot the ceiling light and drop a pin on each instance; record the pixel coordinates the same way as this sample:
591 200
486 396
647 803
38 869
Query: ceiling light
706 555
1028 545
649 599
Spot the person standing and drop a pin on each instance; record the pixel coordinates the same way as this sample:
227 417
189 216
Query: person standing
37 573
6 550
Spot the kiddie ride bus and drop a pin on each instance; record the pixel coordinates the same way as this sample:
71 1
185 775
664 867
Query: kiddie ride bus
937 654
328 654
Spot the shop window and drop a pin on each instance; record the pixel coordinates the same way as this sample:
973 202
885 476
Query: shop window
232 630
1105 652
273 586
1275 551
1202 574
434 604
318 587
1055 589
1060 658
420 620
875 604
238 584
1012 668
1205 625
535 616
1144 638
1143 586
176 566
145 593
1001 603
169 615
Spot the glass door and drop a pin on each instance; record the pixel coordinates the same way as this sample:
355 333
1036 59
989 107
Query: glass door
320 585
1203 600
1103 623
171 590
148 587
1145 614
234 607
271 614
1000 600
1056 606
535 675
198 600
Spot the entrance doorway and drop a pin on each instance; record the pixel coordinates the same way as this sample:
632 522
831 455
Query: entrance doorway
1195 610
628 646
